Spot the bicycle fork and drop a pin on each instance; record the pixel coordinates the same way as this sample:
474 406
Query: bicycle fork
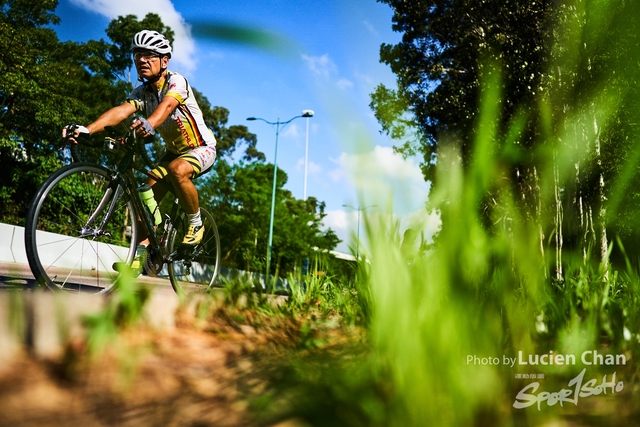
111 198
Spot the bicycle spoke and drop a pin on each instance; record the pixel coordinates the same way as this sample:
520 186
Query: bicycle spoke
198 269
64 248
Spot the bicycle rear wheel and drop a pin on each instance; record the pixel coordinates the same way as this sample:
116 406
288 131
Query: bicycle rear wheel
68 246
193 269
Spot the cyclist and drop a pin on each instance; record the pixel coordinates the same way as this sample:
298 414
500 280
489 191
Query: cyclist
166 104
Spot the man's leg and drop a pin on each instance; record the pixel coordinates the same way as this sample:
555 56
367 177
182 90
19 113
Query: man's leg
180 174
159 191
140 258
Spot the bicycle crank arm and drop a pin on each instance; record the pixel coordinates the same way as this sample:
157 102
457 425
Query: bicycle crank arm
183 253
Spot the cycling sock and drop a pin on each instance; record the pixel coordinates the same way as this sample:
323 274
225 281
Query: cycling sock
195 219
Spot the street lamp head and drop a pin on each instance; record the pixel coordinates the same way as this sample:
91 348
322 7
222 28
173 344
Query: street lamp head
307 113
251 118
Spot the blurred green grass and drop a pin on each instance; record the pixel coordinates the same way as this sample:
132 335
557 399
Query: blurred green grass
487 287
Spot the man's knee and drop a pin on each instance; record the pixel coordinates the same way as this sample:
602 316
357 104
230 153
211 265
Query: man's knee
180 169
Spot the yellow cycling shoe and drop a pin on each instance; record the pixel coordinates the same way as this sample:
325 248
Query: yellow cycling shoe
194 235
137 265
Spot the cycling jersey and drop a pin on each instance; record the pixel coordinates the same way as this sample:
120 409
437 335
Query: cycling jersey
184 129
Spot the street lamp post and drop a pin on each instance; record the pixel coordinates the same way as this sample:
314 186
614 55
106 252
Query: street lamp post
306 154
278 124
359 209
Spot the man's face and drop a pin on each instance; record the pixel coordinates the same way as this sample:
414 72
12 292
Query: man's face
148 64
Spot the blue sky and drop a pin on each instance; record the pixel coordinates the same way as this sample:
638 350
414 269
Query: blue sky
330 64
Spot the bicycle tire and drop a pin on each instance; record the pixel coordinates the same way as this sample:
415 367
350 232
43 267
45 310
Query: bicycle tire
193 270
62 253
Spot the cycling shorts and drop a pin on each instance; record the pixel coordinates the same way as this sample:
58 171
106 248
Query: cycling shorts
200 158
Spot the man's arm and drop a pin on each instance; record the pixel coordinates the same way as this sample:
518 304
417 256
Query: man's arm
159 115
112 117
164 110
109 118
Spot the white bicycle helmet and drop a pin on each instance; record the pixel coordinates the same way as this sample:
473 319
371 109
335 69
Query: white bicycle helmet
153 41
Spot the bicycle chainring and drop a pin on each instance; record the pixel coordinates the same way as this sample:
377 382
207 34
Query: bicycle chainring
153 265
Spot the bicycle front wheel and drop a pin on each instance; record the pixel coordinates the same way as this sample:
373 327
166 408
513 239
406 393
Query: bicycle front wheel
69 243
193 269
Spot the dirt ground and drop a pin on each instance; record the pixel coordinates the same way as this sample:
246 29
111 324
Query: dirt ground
216 372
198 374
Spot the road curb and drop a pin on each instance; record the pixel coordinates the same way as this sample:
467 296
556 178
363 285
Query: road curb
44 322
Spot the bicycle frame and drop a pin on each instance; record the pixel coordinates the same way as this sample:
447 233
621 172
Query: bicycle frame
100 235
123 181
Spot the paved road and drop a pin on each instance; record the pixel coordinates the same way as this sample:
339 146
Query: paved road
18 276
15 276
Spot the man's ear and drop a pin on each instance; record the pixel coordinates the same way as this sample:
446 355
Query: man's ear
165 61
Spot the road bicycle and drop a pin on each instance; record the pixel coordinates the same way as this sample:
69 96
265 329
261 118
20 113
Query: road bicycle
84 221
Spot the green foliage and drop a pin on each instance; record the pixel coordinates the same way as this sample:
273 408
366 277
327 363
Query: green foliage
46 84
513 168
327 388
327 298
121 31
568 90
228 137
439 64
478 291
124 309
262 39
239 196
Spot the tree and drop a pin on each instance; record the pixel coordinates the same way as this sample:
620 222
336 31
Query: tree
239 196
441 59
228 138
117 54
567 75
45 84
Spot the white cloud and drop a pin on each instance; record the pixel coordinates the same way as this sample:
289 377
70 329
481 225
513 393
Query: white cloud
381 162
371 29
345 224
336 220
291 131
337 175
183 46
344 84
321 65
340 223
428 223
380 176
367 80
312 167
383 175
325 68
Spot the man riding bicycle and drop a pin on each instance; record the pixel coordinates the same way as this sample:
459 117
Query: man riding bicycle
167 105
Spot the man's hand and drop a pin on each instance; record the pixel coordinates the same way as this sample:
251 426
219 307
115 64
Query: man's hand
71 132
143 127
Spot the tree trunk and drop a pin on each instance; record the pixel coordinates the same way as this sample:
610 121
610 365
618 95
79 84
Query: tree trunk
538 218
602 209
558 219
585 216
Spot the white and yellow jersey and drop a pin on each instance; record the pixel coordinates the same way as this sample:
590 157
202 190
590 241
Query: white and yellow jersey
184 129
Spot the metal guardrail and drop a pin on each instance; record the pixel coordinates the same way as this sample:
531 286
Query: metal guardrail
12 251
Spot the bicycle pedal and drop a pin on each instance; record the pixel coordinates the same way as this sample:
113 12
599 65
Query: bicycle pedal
183 253
176 255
